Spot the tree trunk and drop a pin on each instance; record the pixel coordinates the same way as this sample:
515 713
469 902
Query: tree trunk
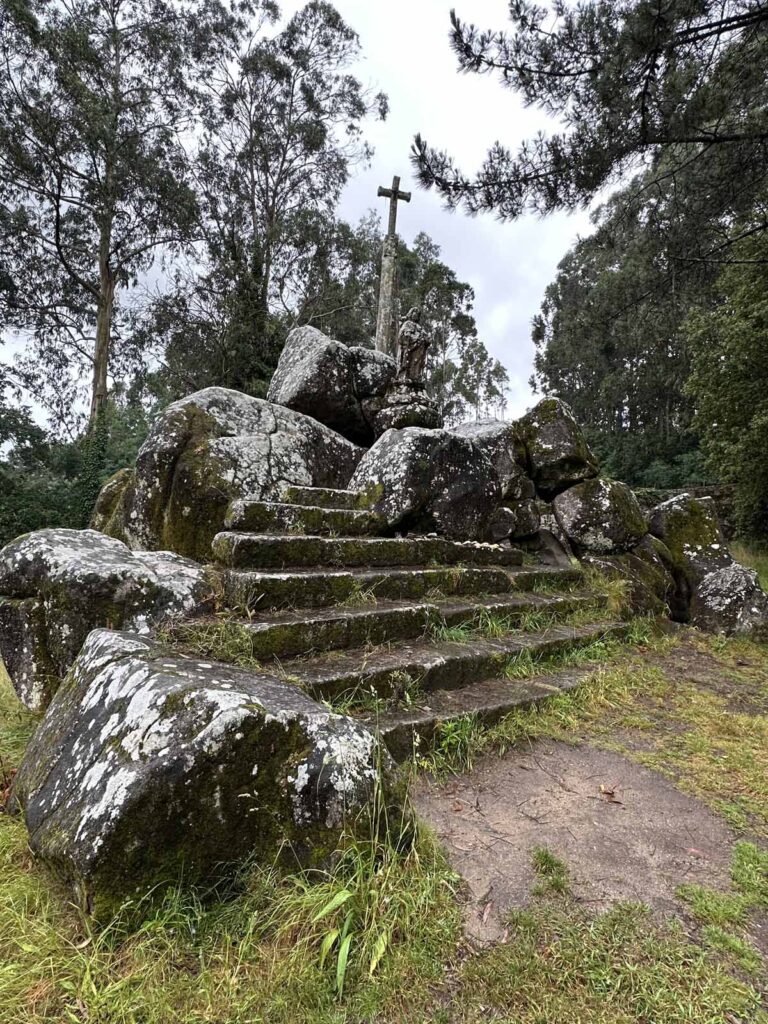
103 344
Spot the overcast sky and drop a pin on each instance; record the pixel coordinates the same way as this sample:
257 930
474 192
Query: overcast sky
407 54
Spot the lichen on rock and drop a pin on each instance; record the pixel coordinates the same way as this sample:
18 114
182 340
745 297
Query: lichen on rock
208 449
600 517
689 528
731 601
498 440
553 449
423 480
331 382
57 585
148 765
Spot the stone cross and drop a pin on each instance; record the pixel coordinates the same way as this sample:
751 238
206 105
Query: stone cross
386 322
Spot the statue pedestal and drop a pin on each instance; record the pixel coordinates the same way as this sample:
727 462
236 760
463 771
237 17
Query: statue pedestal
404 404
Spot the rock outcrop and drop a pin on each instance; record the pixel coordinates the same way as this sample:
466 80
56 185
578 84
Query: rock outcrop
650 586
730 600
58 585
517 516
553 449
689 528
331 382
600 517
517 520
419 479
208 449
498 441
148 766
712 591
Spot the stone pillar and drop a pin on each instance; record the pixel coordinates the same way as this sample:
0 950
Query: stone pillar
386 323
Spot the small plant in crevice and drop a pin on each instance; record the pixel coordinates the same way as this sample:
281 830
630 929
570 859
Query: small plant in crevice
456 743
221 639
359 596
404 691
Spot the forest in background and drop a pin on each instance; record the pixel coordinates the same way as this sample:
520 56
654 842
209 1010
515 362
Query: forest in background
170 175
655 329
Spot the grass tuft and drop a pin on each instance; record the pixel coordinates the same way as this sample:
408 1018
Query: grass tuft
552 873
223 639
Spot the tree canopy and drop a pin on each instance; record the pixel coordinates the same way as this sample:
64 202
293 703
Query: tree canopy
95 96
676 87
728 384
282 120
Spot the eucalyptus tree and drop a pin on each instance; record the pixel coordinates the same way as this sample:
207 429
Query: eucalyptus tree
728 339
95 96
283 120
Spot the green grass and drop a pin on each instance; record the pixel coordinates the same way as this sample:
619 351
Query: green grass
725 916
562 966
220 639
617 679
488 625
552 874
16 727
403 691
753 555
377 936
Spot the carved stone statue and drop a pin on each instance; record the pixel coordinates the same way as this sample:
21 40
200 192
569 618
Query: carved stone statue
412 345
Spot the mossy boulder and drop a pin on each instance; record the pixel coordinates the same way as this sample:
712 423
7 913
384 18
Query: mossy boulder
515 520
650 586
331 382
689 528
731 601
149 766
600 517
57 585
114 498
498 441
552 448
713 591
208 449
429 480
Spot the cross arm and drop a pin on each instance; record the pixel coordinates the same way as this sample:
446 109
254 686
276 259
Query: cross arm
388 193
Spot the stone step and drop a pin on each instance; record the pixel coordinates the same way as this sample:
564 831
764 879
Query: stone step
418 729
324 497
429 665
272 551
254 592
300 633
277 517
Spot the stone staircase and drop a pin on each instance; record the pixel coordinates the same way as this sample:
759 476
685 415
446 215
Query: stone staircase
404 632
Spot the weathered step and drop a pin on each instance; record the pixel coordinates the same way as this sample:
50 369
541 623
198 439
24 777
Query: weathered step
418 728
267 551
431 665
294 634
280 518
252 592
324 497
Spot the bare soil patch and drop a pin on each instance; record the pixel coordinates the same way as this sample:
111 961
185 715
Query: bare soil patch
625 832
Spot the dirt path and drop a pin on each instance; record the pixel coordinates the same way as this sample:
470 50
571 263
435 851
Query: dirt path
625 832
